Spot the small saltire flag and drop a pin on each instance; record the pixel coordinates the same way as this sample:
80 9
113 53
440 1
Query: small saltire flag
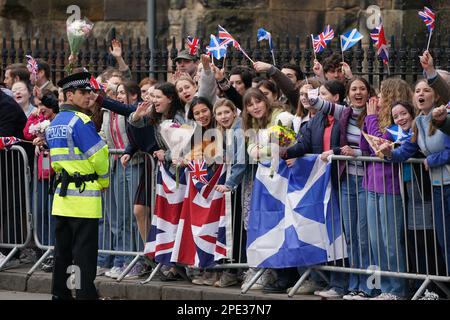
428 16
216 48
6 142
168 206
350 38
294 216
32 66
380 42
204 233
227 38
321 41
398 134
193 45
264 35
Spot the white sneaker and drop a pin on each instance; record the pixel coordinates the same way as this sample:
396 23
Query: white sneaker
101 271
330 293
387 296
430 295
210 278
114 273
248 276
307 287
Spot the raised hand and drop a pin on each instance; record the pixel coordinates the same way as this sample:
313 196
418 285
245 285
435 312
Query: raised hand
372 106
318 69
142 110
440 114
219 74
116 50
426 60
346 70
261 66
206 62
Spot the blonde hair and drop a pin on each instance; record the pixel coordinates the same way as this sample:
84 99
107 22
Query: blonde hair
392 89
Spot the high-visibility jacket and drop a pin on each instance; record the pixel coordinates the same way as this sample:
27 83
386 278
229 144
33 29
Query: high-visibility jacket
75 146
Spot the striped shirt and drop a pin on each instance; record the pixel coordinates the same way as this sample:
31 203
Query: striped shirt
353 138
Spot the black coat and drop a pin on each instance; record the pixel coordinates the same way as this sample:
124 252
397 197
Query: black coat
12 117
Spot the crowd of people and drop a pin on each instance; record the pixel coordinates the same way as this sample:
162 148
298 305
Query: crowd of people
128 115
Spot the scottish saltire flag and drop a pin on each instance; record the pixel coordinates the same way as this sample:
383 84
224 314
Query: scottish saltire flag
193 45
227 38
350 38
380 42
168 206
216 48
264 35
398 134
428 16
294 219
204 233
321 41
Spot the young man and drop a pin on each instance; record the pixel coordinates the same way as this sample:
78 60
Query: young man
14 73
186 63
80 159
43 81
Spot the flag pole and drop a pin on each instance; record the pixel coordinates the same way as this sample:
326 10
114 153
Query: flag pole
312 41
246 55
388 70
429 40
273 57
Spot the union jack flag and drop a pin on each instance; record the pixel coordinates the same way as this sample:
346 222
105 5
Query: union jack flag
228 38
320 42
96 85
6 142
380 42
32 66
198 170
193 45
428 17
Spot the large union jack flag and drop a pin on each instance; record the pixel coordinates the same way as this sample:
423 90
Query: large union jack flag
193 45
321 41
380 42
428 16
204 231
227 38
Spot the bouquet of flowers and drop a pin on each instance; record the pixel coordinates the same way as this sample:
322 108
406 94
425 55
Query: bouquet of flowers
176 137
77 32
39 128
282 136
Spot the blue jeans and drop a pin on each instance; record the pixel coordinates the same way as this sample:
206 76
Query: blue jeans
119 201
45 224
442 221
387 239
354 216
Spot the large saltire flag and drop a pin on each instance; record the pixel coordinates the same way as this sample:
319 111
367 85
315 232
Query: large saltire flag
168 206
294 216
204 233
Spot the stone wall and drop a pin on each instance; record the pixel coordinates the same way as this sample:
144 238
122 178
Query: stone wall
46 18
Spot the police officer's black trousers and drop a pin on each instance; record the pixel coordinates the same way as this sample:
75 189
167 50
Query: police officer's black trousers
76 245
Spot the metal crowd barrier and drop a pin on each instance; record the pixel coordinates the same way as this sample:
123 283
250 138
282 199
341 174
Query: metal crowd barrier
118 233
15 212
401 234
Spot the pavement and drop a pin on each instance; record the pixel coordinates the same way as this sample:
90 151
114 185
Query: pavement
14 283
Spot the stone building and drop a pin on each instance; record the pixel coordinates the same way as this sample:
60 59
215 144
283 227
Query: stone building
46 18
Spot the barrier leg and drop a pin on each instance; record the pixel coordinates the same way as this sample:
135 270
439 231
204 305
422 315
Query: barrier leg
323 276
8 257
421 289
38 263
299 283
152 274
129 267
253 281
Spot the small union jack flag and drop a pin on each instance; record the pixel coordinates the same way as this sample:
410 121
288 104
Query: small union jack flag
228 38
320 42
199 171
428 16
96 85
6 142
193 45
380 42
32 66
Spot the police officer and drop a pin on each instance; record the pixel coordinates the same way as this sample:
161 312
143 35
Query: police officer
80 160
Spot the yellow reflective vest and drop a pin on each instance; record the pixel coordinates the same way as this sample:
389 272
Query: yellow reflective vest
76 147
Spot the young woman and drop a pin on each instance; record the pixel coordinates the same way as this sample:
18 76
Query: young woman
435 145
304 110
269 89
384 204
